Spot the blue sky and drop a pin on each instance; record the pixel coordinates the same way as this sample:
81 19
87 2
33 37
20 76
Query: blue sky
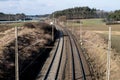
32 7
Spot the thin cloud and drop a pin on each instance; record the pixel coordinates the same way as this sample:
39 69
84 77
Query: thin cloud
48 6
3 0
9 0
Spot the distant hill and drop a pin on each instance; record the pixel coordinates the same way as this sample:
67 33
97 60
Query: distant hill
81 13
19 16
11 17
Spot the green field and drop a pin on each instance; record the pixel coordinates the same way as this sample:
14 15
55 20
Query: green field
115 41
94 24
97 25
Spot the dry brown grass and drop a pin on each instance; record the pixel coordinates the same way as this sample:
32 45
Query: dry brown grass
96 49
4 27
30 41
95 46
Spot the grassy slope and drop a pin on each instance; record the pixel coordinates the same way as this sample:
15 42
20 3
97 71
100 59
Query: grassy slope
96 56
31 38
102 28
4 27
98 25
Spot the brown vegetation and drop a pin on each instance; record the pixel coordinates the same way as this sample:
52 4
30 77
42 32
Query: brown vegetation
31 37
95 48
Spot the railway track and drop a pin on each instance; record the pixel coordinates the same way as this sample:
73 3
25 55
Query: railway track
51 70
77 65
79 69
29 71
73 64
66 61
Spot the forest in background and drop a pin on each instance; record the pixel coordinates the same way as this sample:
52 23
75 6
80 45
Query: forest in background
70 13
87 13
19 16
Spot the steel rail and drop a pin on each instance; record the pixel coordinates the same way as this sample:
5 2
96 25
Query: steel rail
56 77
32 62
72 56
52 62
80 60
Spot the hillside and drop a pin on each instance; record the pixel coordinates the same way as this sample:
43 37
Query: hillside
81 13
95 46
96 51
32 37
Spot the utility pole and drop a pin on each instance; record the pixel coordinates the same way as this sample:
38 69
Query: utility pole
73 27
53 28
108 55
16 55
80 32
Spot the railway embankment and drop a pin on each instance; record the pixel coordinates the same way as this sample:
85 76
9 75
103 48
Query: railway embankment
96 48
32 41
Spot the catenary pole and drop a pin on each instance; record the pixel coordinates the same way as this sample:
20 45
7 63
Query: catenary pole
53 28
109 54
80 30
16 54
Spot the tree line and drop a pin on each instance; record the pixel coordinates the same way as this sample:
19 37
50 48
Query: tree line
80 13
71 13
19 16
114 16
11 17
86 13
